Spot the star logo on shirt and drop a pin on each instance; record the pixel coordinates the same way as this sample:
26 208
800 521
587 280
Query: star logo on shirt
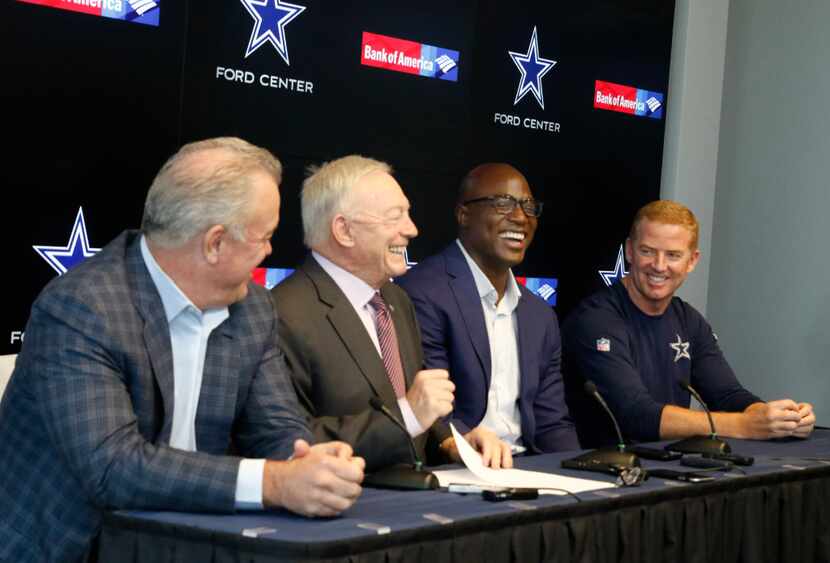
533 68
270 19
611 276
681 349
62 258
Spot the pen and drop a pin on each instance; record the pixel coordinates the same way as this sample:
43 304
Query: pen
464 488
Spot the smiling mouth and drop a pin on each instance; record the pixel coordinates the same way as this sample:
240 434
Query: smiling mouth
656 279
513 235
399 250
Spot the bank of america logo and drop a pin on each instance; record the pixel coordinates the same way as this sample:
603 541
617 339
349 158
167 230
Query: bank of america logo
653 104
145 12
445 63
546 291
142 6
543 287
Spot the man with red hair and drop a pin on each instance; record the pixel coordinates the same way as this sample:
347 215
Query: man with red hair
637 341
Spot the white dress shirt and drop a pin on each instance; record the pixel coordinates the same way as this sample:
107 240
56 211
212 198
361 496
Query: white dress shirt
190 329
359 293
502 415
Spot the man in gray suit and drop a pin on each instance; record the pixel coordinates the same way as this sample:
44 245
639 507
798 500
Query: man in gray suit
146 363
348 333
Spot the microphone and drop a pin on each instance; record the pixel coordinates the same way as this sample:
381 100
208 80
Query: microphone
604 460
591 389
401 476
707 445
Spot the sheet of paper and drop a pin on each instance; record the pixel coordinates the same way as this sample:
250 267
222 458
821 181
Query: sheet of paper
477 474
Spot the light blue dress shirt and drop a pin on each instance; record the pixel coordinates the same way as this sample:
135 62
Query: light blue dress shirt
190 329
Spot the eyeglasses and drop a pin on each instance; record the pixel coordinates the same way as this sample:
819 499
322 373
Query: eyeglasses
505 204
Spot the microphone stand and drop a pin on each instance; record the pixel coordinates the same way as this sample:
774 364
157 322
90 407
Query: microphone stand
402 476
707 445
604 460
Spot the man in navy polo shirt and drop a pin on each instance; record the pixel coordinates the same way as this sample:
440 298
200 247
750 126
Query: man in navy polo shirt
637 341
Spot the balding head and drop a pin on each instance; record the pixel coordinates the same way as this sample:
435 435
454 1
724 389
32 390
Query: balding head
488 177
495 233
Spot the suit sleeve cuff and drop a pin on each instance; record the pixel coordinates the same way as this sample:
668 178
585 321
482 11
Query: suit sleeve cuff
249 484
409 418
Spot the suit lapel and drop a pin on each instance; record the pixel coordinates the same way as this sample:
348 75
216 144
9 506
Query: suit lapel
217 397
352 333
156 332
466 296
525 319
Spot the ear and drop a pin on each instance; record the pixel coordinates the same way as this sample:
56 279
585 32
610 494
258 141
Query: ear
629 249
693 261
461 215
212 242
341 231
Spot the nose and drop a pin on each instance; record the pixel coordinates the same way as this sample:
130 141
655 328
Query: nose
408 229
659 262
518 215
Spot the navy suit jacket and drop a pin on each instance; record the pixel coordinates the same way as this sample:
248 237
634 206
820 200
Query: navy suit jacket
454 337
85 421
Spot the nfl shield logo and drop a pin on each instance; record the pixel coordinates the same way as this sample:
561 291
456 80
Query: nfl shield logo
604 345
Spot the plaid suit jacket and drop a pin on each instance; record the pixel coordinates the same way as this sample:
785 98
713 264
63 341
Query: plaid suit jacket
86 417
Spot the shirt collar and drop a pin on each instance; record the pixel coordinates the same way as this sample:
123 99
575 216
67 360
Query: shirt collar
173 299
357 291
486 290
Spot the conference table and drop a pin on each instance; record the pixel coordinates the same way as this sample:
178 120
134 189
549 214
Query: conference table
776 510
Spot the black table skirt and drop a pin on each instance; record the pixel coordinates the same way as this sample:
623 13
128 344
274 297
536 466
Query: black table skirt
782 517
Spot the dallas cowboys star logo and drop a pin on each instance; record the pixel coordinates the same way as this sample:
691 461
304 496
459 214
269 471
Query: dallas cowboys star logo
681 348
270 19
533 68
62 258
409 263
611 276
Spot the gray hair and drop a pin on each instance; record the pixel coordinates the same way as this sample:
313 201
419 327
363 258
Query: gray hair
326 188
194 191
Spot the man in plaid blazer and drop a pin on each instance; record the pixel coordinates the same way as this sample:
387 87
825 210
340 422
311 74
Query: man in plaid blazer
147 364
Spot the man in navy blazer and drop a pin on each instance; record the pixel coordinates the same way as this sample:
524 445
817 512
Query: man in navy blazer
149 366
499 341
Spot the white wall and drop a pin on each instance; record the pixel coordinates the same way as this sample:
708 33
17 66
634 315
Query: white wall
693 123
769 290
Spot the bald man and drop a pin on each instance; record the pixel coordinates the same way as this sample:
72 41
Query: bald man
499 341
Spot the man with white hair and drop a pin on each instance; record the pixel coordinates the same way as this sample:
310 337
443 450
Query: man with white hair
348 333
144 364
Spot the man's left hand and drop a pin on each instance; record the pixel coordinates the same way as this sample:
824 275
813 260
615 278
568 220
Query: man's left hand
807 422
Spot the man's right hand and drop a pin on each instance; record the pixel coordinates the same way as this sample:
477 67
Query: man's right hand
431 395
320 480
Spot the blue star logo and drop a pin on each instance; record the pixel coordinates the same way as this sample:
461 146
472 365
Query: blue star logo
533 68
62 258
409 263
611 276
270 19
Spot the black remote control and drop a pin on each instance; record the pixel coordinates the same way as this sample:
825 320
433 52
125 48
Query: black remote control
705 463
658 454
734 458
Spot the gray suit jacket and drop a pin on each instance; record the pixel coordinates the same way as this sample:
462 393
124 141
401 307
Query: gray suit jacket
336 368
86 418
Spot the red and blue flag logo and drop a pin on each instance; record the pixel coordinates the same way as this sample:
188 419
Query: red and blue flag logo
409 57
